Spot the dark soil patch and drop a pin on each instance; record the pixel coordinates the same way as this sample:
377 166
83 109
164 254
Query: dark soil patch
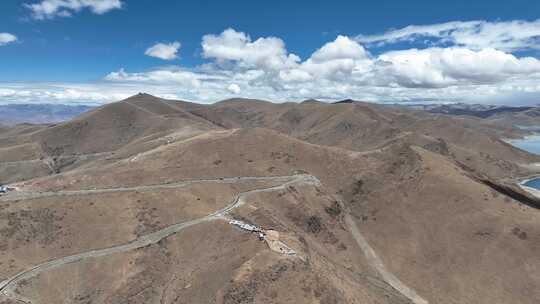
313 224
38 225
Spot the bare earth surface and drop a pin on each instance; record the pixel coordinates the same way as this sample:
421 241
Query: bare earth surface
131 203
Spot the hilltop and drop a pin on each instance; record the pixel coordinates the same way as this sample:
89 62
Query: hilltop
379 204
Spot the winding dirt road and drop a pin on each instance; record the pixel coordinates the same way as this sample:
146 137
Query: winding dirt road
23 195
8 286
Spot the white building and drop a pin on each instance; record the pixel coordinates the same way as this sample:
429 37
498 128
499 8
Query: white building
245 226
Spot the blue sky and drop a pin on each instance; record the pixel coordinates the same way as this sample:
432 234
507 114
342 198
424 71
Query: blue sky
96 51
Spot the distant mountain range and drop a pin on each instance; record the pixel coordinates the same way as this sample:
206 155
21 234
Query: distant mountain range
13 114
463 109
478 110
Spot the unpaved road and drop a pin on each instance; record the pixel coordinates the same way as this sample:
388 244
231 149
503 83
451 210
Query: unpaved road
44 159
377 264
8 287
22 195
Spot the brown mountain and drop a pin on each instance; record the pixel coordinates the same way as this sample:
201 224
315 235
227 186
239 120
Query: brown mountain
358 203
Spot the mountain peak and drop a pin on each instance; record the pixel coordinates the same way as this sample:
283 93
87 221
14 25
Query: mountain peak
345 101
141 95
311 101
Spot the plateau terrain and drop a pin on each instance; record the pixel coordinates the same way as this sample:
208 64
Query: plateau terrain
149 200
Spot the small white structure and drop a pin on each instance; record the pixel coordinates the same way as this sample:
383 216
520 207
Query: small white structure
251 228
271 237
245 226
3 189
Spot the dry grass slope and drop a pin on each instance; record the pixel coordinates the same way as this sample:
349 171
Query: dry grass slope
410 182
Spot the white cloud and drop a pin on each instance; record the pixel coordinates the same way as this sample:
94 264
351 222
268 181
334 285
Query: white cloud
295 75
162 76
267 53
215 87
165 51
337 60
442 67
502 35
344 69
339 69
59 93
234 88
341 48
6 38
49 9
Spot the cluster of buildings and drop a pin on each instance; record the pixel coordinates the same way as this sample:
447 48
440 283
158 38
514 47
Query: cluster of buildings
271 237
248 227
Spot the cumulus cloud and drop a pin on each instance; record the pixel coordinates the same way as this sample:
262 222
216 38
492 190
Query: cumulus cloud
442 67
165 51
295 75
507 36
341 48
341 68
337 60
234 88
49 9
269 55
237 47
161 76
7 38
60 93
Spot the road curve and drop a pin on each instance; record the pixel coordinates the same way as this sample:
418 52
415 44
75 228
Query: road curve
377 264
8 286
22 195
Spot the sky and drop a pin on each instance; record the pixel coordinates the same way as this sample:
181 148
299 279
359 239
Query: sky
416 51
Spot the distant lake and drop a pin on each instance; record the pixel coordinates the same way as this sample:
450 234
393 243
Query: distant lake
530 143
533 183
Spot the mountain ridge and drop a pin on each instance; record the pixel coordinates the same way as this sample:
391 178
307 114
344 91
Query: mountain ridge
379 204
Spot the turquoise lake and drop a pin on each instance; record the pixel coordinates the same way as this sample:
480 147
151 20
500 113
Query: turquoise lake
533 183
530 144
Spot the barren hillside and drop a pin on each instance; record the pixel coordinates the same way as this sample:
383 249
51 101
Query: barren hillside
348 202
